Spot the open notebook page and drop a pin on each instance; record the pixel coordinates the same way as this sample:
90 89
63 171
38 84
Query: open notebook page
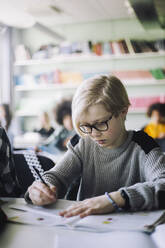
110 222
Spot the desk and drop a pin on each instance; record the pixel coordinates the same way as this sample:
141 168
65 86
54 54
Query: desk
26 236
29 236
21 236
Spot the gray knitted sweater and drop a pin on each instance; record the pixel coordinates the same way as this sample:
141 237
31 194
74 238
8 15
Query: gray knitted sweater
137 167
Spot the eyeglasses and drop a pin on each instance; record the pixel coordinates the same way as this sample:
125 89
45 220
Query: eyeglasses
102 126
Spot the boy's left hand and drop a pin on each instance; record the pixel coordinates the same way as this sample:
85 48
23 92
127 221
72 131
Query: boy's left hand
95 205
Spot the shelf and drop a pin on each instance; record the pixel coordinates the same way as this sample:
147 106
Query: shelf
94 63
35 114
67 86
144 82
137 111
85 58
87 64
26 114
46 87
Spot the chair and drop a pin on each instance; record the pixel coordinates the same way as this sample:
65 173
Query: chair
161 143
73 189
24 162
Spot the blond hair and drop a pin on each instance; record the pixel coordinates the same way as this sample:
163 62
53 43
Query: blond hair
106 90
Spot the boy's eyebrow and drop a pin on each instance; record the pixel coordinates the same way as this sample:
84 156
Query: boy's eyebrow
96 121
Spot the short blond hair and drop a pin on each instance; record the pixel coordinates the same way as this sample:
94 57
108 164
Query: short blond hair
103 89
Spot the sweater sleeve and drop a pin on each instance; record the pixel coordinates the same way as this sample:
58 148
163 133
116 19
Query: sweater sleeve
146 194
67 170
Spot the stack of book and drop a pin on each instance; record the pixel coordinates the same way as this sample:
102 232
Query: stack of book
116 47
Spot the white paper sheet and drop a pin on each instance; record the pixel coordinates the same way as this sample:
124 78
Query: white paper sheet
29 218
95 223
159 236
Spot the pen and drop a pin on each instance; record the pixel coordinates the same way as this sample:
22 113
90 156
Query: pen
40 177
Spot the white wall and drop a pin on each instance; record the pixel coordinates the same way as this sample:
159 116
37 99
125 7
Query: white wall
5 66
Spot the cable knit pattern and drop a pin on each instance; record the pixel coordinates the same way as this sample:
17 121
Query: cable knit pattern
137 167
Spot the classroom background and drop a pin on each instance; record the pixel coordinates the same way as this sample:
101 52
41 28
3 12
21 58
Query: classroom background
48 47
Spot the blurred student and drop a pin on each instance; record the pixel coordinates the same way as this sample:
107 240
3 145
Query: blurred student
156 126
5 120
9 186
119 169
45 126
9 123
56 143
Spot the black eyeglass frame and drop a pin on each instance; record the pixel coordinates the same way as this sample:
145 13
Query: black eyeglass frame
94 126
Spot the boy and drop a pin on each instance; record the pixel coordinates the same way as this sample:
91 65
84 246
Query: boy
9 186
118 168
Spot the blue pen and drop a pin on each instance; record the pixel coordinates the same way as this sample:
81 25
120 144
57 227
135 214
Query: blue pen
40 177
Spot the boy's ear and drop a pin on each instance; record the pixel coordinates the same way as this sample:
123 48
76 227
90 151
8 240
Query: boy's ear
124 112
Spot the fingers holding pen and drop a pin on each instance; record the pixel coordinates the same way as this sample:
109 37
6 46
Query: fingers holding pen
40 194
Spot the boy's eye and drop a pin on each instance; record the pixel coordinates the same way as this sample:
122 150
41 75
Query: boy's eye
100 124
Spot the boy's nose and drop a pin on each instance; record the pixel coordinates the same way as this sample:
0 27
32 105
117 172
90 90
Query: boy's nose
95 133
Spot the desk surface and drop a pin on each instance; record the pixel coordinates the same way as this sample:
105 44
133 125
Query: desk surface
24 236
21 236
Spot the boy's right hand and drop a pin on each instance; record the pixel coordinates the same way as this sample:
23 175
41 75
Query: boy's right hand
40 194
37 149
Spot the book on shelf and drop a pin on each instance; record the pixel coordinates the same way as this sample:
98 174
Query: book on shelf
119 47
140 46
133 75
107 50
111 48
78 47
132 46
71 77
115 48
97 48
87 75
151 45
145 101
129 46
124 46
158 73
56 77
160 45
136 46
25 79
22 52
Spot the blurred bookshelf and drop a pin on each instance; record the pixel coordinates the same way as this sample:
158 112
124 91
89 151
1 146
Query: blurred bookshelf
40 80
